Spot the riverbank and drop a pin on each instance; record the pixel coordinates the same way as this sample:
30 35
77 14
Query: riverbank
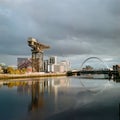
29 75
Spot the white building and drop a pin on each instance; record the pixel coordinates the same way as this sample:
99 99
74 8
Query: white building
66 65
52 63
53 66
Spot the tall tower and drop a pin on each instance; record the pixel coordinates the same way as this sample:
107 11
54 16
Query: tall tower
37 54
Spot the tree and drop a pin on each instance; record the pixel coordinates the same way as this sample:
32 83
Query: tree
10 70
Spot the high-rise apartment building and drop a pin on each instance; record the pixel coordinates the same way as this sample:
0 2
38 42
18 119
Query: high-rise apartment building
53 60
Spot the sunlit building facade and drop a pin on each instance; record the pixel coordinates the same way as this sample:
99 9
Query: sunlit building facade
58 67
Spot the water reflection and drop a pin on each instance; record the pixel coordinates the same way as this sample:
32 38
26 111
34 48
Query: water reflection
96 87
68 98
116 80
37 97
39 89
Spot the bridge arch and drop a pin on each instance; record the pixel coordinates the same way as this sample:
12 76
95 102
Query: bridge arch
94 58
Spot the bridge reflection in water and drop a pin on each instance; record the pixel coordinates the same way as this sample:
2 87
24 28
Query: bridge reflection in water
106 71
52 96
107 74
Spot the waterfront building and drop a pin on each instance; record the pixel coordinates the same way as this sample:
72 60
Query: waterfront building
116 69
57 68
54 66
51 63
53 60
24 63
65 65
46 62
62 69
51 68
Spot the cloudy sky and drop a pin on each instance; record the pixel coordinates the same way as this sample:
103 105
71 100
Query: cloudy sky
75 29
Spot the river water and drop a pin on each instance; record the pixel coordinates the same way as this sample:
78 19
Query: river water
62 98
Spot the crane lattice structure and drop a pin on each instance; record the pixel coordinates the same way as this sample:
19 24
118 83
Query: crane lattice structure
37 54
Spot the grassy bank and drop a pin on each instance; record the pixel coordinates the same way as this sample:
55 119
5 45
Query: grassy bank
29 75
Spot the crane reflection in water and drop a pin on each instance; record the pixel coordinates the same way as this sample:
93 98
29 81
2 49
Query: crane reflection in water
40 88
50 96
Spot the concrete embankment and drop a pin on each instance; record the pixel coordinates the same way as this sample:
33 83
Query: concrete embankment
30 75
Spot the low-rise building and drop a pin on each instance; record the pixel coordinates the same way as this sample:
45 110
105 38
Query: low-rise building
24 63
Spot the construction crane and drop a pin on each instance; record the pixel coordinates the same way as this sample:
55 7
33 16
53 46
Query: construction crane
37 54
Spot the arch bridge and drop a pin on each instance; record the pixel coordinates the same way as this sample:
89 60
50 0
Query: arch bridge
107 71
97 58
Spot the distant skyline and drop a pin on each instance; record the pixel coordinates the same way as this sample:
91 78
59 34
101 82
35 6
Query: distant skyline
75 29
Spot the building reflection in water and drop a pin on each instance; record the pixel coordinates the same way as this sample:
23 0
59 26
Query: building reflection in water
55 95
35 99
48 92
39 90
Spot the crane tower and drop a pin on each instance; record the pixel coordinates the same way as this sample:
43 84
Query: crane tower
37 54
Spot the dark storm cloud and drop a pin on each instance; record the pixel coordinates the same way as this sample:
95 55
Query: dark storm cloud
115 7
70 27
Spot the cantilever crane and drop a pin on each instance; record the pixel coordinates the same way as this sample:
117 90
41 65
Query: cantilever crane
37 54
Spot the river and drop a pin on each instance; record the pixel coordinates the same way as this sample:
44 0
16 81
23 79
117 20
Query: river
60 98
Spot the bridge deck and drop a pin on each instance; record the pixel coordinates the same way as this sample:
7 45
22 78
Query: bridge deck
96 72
